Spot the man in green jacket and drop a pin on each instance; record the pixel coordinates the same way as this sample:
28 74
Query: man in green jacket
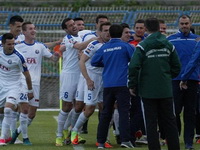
152 67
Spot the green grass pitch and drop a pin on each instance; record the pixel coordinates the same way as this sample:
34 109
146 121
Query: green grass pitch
43 129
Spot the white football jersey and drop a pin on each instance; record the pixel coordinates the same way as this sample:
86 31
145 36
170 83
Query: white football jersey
19 38
89 36
33 54
70 55
84 32
11 67
90 51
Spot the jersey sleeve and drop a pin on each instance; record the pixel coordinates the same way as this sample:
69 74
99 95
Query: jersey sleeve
45 51
69 41
90 50
22 63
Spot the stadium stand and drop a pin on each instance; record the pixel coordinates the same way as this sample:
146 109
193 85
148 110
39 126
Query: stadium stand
114 17
169 16
195 17
4 18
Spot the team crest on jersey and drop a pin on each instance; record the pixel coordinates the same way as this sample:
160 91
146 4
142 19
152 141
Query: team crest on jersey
72 41
37 51
9 61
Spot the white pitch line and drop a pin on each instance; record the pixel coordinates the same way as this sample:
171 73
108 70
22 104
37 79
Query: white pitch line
50 109
75 147
56 118
78 147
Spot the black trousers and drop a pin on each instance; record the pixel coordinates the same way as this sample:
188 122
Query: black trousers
136 117
185 100
122 96
162 108
198 112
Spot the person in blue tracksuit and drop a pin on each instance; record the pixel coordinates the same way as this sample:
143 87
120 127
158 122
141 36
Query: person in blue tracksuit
184 42
114 56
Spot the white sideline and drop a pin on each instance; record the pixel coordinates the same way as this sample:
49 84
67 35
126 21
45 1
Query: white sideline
55 109
48 109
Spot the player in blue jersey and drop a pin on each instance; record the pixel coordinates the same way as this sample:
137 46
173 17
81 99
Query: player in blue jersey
184 42
114 56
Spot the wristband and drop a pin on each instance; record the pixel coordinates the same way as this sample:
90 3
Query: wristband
30 91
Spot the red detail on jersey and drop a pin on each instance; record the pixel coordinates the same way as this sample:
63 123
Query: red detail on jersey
36 100
134 42
31 60
4 67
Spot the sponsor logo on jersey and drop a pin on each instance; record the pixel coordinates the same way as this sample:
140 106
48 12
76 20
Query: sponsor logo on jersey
31 60
4 67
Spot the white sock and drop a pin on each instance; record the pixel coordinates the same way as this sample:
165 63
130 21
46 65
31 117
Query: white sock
116 121
13 125
68 121
79 123
62 117
1 119
29 121
6 123
23 125
74 118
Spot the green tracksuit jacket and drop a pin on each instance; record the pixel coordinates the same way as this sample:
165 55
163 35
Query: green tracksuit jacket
152 67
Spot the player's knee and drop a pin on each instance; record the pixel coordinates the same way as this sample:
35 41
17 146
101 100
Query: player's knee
67 106
79 106
32 115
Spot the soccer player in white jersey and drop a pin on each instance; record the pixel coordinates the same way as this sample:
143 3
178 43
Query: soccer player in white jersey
15 24
81 27
33 51
79 22
12 63
93 76
72 43
99 20
80 89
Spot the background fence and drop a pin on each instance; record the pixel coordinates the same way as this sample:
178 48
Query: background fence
48 20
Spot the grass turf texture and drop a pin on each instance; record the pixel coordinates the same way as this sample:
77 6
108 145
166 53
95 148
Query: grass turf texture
43 129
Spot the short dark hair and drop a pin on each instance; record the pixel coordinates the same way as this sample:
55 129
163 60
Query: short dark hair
139 21
104 24
152 24
78 19
116 31
184 16
63 25
125 25
7 36
24 25
16 18
161 21
100 16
